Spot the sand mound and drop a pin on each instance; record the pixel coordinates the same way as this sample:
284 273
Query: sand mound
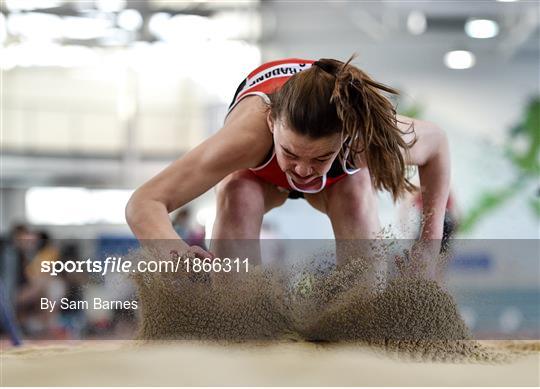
410 318
249 306
405 317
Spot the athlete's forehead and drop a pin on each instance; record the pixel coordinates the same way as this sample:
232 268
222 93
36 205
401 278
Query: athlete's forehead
304 146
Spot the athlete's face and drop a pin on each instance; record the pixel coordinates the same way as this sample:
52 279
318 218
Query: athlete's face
303 159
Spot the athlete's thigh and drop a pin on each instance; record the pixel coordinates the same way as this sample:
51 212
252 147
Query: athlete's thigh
245 185
318 200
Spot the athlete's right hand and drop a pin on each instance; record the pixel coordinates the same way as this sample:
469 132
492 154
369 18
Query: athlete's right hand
174 249
196 251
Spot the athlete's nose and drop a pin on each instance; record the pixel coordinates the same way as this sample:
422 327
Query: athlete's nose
302 170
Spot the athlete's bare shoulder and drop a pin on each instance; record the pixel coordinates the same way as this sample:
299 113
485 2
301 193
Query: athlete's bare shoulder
252 110
246 129
242 142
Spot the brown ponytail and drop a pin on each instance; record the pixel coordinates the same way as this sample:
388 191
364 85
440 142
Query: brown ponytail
333 97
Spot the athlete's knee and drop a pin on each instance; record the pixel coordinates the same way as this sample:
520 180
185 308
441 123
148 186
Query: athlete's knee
240 192
357 189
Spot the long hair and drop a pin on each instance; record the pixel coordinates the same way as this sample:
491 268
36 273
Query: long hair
336 97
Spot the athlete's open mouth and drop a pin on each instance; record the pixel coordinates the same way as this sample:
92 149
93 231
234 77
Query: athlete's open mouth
302 181
306 183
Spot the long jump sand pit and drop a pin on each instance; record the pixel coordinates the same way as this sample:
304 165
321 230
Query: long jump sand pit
266 328
290 363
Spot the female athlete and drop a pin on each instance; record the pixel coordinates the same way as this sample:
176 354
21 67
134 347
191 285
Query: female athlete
321 130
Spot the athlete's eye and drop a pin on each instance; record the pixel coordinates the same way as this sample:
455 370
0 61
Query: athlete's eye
322 159
289 155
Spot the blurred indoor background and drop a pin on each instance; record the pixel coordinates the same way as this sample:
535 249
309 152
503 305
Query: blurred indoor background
98 96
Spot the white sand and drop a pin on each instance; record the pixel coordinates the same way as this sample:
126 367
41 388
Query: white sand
112 363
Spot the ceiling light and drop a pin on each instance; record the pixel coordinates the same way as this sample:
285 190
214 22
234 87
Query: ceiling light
130 20
481 28
459 59
158 23
416 22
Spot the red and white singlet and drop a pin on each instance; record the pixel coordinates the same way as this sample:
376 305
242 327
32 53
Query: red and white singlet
265 80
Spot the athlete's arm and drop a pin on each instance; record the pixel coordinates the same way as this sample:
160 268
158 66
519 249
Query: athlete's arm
241 143
432 156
